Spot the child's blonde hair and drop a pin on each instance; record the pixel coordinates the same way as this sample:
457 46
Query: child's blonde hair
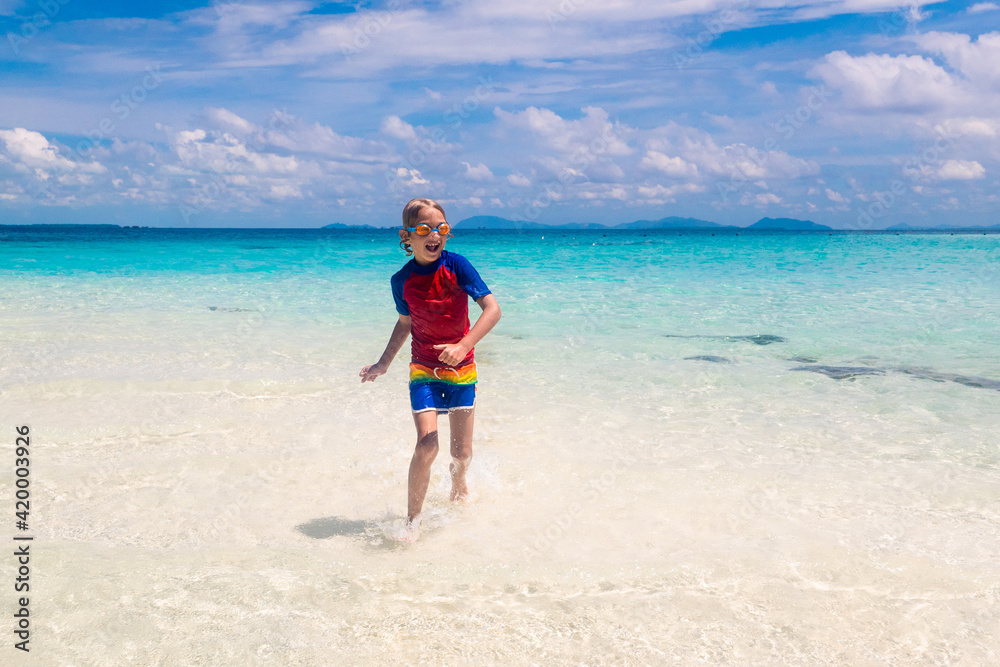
410 213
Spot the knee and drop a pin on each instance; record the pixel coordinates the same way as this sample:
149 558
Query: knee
427 447
461 451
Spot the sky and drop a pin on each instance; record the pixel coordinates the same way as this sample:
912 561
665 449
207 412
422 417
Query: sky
857 114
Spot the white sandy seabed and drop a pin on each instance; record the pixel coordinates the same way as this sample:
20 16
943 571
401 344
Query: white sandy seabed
216 488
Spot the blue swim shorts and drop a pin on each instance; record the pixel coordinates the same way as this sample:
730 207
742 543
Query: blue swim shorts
442 396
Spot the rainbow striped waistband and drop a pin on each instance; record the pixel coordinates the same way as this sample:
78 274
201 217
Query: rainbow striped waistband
449 375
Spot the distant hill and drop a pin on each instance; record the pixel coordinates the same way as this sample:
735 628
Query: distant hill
340 225
487 222
672 222
789 224
494 222
65 225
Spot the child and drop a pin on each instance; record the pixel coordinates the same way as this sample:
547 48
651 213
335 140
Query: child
431 293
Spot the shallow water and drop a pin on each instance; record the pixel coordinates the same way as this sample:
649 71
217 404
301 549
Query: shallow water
212 484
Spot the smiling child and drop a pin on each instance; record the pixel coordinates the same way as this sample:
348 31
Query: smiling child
432 293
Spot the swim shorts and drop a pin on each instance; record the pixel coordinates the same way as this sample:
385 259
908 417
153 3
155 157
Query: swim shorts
442 388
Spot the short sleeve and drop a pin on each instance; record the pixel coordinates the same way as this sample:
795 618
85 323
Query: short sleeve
397 294
468 278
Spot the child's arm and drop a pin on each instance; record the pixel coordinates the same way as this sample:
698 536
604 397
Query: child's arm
453 353
396 340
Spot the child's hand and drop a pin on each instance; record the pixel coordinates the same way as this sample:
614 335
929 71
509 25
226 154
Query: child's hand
452 353
369 373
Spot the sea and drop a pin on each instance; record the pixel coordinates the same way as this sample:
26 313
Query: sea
691 447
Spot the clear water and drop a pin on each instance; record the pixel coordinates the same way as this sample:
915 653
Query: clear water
213 485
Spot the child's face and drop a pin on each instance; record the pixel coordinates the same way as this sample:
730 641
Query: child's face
426 249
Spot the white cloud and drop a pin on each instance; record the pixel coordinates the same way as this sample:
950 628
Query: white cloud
360 43
519 180
589 137
33 150
904 83
576 156
835 196
759 200
976 60
293 134
949 170
397 128
227 120
480 172
223 153
961 170
969 127
486 31
232 16
671 166
981 7
572 151
285 191
666 195
409 177
740 161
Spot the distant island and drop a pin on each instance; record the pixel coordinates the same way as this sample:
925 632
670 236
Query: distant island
340 225
492 222
672 222
790 224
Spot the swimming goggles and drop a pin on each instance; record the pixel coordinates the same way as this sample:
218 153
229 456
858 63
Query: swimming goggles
424 230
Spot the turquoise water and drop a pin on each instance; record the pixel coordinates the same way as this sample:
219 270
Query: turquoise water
651 484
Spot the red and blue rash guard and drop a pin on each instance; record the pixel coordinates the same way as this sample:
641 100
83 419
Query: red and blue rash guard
436 297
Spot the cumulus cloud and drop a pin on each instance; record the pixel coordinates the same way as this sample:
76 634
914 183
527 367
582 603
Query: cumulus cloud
835 196
660 194
699 149
593 134
575 156
976 60
397 128
970 127
948 170
223 153
294 134
519 180
226 119
480 172
961 170
902 83
225 163
760 200
671 166
409 177
32 150
587 149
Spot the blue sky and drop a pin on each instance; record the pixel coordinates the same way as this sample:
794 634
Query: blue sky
851 113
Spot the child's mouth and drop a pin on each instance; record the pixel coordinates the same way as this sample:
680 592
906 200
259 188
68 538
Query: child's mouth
432 247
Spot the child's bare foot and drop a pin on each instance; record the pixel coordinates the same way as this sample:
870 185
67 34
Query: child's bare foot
409 531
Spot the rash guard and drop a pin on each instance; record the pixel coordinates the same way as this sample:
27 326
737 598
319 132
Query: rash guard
436 297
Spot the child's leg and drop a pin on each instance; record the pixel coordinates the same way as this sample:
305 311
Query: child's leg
461 422
420 465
